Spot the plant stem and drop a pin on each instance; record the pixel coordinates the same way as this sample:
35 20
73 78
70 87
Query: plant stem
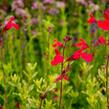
5 96
4 76
40 106
107 57
60 99
61 91
107 82
48 54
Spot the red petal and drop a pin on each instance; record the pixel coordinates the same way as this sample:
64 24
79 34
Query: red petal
57 51
87 57
106 13
16 26
75 56
101 40
103 24
82 44
57 60
66 78
56 43
60 77
11 24
91 19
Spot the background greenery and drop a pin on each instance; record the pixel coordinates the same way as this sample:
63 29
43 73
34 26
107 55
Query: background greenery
27 66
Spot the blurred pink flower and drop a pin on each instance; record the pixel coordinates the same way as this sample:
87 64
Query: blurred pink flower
93 6
48 1
17 4
60 4
53 11
82 2
34 5
34 21
21 12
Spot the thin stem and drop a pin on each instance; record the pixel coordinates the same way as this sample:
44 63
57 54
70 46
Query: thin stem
107 57
61 91
4 78
107 82
40 106
48 54
5 95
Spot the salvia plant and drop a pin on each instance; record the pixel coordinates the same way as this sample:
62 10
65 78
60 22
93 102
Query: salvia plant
46 70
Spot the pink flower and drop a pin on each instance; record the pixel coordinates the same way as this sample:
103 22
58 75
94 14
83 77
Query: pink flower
34 5
60 4
48 1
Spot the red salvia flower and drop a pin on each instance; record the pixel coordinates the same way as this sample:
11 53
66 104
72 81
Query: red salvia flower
91 19
80 54
106 14
101 40
62 76
82 44
75 56
56 43
87 57
11 24
103 24
66 78
57 59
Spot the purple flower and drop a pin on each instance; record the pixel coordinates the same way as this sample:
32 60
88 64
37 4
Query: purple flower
17 4
34 21
21 12
53 11
34 5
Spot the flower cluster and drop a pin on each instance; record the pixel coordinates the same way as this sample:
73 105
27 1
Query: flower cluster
103 24
9 24
82 45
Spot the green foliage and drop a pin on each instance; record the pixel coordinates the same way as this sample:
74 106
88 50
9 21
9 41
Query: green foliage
27 78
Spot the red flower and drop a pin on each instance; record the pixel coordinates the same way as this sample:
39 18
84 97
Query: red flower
103 24
91 19
57 59
101 40
80 54
82 44
62 76
11 24
106 14
87 57
56 43
75 56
